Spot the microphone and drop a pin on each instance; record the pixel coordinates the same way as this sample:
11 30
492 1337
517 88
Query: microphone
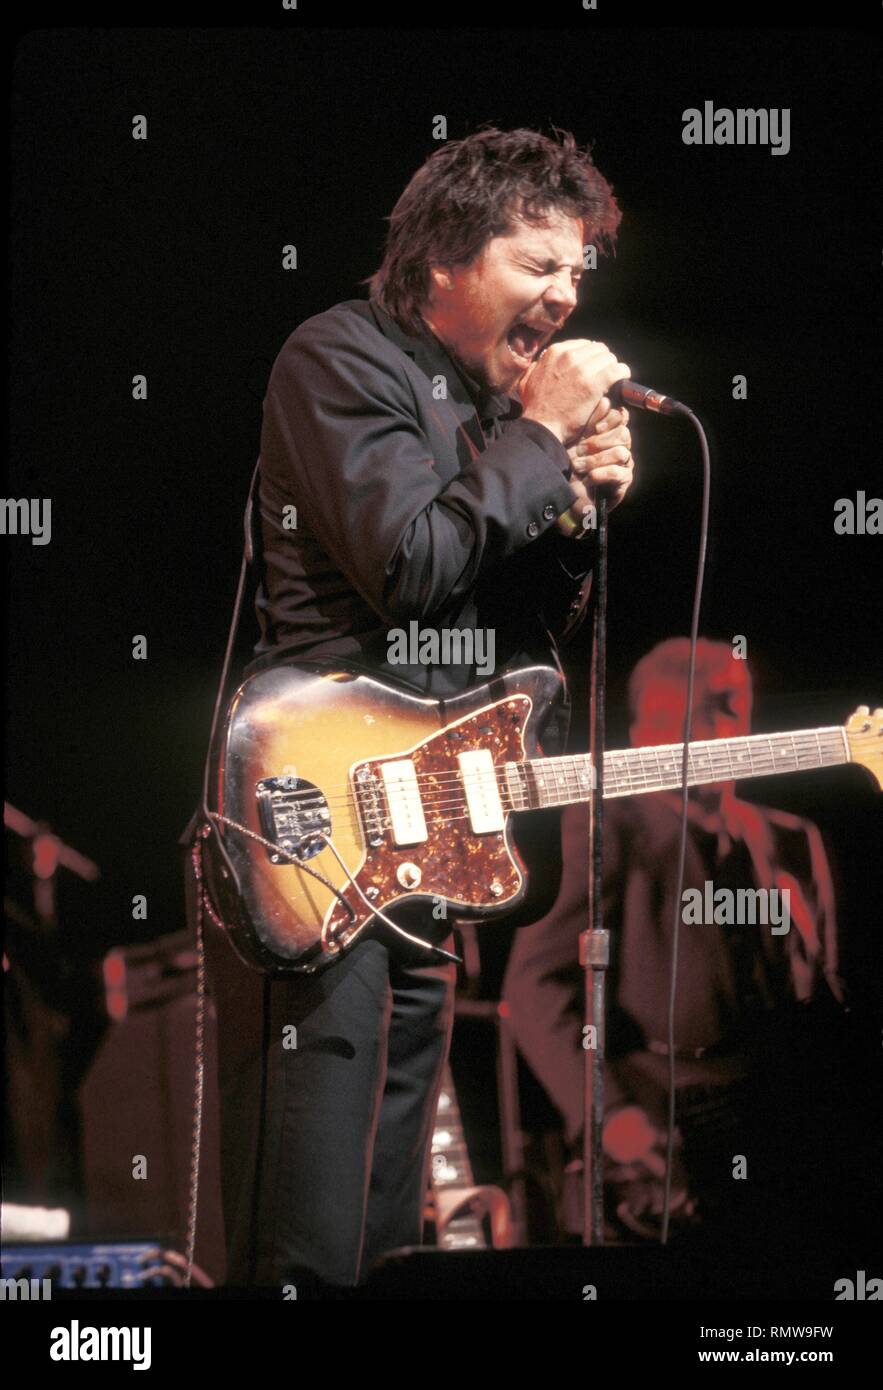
635 397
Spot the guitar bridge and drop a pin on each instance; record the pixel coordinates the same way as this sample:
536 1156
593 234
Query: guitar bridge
369 800
294 815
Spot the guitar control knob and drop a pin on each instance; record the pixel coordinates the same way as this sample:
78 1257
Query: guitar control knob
496 889
408 875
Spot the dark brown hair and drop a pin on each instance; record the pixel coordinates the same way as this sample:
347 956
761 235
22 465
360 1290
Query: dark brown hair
474 189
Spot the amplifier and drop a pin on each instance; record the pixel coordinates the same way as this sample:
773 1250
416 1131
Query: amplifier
136 1102
109 1265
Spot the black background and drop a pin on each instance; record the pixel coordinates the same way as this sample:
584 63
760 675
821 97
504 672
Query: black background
163 257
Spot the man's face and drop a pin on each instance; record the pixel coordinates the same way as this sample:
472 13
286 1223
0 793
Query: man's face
498 312
721 707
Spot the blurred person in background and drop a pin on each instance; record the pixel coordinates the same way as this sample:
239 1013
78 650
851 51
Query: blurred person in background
738 987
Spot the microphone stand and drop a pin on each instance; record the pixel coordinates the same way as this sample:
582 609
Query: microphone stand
594 941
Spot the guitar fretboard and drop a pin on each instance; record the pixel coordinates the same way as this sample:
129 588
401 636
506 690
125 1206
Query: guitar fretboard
451 1169
543 782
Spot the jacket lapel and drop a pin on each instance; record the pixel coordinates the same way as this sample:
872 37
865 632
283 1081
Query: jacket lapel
429 355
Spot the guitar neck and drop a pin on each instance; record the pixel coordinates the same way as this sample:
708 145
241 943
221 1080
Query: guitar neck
451 1169
542 782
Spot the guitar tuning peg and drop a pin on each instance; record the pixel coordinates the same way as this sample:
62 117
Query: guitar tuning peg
863 709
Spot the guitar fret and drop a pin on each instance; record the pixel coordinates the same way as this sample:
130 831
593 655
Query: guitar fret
541 782
627 771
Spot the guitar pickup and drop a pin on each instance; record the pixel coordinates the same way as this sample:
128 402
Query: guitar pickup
482 791
403 799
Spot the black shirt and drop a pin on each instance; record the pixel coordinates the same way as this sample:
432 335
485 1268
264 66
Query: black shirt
404 508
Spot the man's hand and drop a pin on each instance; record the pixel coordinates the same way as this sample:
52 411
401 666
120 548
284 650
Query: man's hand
630 1137
604 454
565 388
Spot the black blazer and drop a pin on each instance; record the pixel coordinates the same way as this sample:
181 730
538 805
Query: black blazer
404 511
544 981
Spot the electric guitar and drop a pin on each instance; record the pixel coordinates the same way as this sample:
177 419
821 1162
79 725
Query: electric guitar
457 1205
341 797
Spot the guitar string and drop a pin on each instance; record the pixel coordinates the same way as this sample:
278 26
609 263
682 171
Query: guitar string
622 764
576 774
619 769
628 758
572 768
577 791
573 793
565 791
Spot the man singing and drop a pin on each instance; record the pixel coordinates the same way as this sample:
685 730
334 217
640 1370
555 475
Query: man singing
438 469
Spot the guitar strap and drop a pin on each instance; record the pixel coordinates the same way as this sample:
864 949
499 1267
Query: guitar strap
198 902
201 823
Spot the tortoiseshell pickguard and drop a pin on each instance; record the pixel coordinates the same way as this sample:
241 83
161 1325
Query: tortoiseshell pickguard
467 870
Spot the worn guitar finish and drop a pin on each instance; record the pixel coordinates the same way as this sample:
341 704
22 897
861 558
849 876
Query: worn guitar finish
325 728
340 796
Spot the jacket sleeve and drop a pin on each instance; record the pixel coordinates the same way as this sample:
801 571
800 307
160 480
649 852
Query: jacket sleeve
823 963
828 928
789 854
557 573
341 438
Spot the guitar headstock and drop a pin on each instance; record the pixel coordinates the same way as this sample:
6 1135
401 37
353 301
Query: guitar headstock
864 733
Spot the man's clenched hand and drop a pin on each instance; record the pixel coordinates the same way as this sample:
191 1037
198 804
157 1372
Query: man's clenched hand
565 388
604 453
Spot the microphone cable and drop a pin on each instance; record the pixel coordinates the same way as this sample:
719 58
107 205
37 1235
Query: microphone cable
682 843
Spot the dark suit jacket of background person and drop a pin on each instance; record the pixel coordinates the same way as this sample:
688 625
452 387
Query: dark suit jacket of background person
544 982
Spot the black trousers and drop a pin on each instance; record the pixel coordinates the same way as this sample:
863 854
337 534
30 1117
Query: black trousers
328 1090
